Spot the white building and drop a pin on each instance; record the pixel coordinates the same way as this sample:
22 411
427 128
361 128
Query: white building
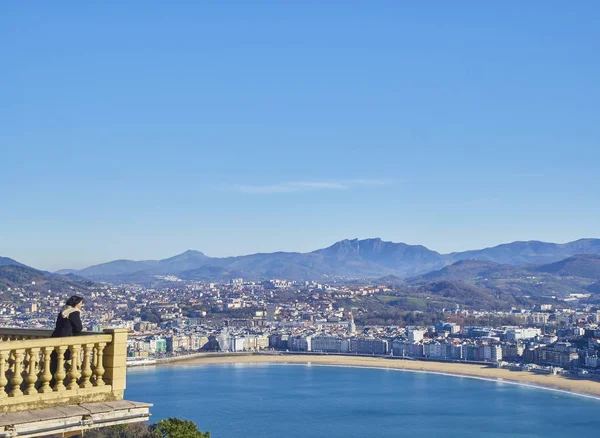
238 343
496 353
518 334
415 335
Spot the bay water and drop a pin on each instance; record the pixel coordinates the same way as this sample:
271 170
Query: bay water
281 400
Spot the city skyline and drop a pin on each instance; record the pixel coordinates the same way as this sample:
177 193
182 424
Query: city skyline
141 132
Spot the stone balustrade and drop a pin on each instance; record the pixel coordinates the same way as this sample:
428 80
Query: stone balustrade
37 371
12 334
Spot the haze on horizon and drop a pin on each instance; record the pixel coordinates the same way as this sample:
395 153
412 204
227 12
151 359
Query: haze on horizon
233 129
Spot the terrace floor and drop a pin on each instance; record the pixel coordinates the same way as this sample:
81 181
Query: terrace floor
70 419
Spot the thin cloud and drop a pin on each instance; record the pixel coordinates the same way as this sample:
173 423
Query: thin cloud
305 186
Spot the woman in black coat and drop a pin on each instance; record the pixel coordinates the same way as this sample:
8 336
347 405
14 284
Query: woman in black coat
68 323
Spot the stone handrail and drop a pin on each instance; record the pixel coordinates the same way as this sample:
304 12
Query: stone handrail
14 334
37 371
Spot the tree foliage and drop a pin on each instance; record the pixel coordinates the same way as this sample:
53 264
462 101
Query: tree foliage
177 428
169 428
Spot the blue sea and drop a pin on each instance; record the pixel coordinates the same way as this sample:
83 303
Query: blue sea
280 400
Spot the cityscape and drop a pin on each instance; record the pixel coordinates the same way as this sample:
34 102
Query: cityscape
284 316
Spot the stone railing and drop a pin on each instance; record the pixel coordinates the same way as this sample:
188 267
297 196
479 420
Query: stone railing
13 334
37 371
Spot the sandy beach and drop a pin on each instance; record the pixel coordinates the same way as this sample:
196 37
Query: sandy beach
578 386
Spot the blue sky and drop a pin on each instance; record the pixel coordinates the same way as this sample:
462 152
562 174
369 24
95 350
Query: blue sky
141 129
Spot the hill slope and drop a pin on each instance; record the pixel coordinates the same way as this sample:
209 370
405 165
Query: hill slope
463 270
465 294
594 288
581 265
15 277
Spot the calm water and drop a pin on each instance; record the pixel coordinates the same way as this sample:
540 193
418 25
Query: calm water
322 401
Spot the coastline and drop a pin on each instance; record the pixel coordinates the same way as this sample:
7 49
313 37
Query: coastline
580 387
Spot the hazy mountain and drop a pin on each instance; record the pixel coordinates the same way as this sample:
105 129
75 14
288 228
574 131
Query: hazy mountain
581 265
116 267
5 261
347 259
183 262
369 255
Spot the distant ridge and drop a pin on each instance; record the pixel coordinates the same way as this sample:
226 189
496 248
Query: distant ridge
5 261
344 260
533 251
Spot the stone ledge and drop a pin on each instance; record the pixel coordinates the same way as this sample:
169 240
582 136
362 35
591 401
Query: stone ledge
68 397
72 418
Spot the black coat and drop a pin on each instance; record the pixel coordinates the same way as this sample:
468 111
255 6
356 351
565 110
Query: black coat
68 323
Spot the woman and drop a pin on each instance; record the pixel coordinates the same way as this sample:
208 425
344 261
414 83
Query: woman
68 323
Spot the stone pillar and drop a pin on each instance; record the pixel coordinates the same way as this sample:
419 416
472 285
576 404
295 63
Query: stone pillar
115 361
86 367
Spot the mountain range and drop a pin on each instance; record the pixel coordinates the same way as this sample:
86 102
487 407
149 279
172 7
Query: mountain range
344 260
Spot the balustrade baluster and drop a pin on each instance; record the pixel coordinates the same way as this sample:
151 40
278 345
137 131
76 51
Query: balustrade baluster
17 377
74 372
3 368
25 365
46 375
94 364
11 369
60 374
32 370
86 368
99 368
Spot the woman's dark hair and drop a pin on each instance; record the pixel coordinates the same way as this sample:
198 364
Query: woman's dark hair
73 301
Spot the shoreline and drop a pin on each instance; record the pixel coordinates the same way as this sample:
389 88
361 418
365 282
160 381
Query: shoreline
572 386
